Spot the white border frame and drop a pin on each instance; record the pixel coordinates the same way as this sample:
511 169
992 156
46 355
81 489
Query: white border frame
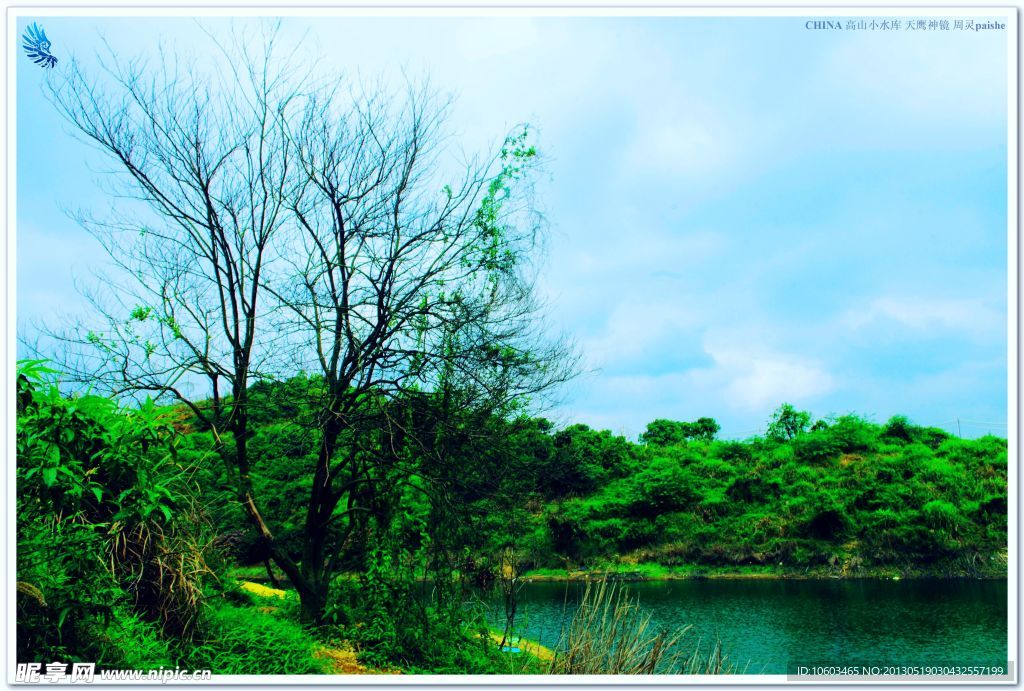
457 9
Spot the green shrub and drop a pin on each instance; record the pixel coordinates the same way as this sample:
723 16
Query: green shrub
787 423
932 437
941 514
734 452
64 590
104 518
713 468
853 434
715 505
663 486
816 447
899 429
753 490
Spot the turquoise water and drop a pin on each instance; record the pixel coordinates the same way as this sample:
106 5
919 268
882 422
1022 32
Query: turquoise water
771 626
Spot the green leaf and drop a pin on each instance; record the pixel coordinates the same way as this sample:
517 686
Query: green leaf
49 476
34 369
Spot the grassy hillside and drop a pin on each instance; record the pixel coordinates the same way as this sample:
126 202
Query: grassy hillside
836 496
848 498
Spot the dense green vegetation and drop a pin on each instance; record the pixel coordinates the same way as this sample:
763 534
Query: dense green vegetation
842 494
126 548
845 496
131 547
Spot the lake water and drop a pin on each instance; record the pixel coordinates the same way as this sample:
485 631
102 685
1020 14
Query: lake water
778 624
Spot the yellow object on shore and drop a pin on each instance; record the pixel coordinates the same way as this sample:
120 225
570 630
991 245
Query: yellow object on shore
262 590
527 646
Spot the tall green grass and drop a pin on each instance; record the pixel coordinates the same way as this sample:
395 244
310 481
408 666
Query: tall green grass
611 634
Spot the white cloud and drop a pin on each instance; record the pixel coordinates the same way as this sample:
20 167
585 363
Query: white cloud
679 148
640 330
744 383
760 380
969 316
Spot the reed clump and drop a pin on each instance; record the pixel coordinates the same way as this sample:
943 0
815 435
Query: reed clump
611 634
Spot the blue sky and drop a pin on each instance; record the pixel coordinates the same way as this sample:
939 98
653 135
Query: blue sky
743 212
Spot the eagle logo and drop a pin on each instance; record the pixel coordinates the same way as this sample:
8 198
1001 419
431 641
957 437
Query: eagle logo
38 46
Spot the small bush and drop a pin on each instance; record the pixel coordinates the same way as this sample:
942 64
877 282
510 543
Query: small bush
662 487
853 434
735 452
941 514
899 429
816 447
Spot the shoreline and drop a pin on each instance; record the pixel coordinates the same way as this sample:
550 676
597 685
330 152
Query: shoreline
697 574
580 578
657 572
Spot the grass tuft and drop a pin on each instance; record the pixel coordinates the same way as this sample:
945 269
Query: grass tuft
611 634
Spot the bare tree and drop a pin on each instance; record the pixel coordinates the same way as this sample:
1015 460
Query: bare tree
403 282
202 164
333 230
